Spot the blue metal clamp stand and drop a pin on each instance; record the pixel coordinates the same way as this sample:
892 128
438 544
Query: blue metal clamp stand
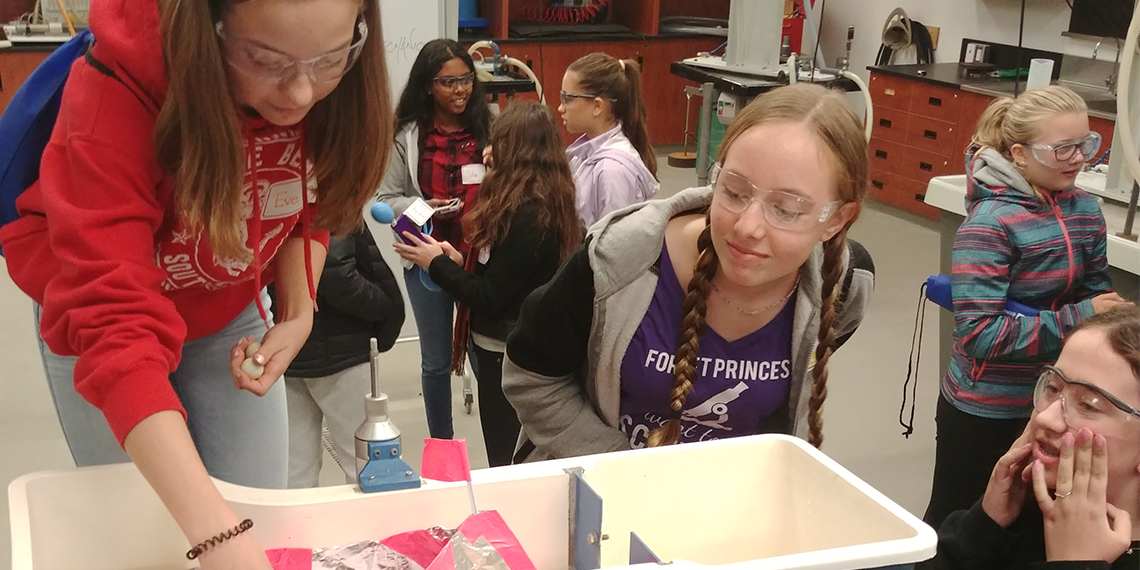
379 466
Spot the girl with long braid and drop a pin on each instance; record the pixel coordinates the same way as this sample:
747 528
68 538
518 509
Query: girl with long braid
713 313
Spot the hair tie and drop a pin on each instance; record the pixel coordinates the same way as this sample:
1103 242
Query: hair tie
622 63
675 415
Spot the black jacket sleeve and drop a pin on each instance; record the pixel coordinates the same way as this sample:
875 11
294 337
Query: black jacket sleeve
860 260
553 331
512 261
346 290
971 539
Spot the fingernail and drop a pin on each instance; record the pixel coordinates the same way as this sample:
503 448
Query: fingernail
1067 440
1099 441
1086 435
259 359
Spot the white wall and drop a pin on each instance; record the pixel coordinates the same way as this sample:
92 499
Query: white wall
991 20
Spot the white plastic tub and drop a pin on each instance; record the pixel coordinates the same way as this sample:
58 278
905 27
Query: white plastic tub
763 502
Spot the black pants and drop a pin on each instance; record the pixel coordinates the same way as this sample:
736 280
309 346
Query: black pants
967 449
499 420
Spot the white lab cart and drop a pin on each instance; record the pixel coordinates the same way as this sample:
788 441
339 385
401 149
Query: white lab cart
762 502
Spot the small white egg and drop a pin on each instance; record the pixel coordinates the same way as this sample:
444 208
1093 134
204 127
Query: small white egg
252 369
252 349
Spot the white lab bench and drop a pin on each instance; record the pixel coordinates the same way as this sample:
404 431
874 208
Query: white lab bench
762 502
948 193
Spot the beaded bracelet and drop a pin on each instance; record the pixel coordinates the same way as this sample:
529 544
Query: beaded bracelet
210 542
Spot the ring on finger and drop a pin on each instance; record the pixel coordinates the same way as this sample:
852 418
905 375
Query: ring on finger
1060 496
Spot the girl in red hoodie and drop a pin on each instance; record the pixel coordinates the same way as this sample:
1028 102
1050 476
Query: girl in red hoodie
205 149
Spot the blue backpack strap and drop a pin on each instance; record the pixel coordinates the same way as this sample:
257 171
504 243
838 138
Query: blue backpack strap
27 122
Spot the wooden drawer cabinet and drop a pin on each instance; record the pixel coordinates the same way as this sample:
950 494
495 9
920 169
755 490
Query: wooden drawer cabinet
885 187
887 156
936 102
931 135
890 124
890 92
921 165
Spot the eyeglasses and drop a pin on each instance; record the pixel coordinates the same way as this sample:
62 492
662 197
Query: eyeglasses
1092 406
783 210
273 66
564 97
1062 153
455 81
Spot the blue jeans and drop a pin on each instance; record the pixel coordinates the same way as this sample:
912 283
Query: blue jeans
242 438
433 312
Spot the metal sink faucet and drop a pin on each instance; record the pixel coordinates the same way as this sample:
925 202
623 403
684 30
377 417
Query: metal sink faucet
1110 81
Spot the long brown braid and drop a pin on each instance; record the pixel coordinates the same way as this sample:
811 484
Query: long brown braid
832 273
692 327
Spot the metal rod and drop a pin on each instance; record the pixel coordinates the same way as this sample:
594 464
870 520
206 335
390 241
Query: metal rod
1130 216
704 133
471 495
1017 66
374 356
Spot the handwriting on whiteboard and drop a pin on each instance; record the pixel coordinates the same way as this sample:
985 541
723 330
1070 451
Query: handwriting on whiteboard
406 47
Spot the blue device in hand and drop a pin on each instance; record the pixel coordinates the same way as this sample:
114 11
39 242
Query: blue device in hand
938 290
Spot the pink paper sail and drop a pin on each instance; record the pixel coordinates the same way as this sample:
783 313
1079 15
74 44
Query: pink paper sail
445 460
290 558
483 541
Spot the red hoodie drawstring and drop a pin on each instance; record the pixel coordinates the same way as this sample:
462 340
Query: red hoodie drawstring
306 223
256 191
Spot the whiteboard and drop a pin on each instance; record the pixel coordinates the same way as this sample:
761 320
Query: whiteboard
408 25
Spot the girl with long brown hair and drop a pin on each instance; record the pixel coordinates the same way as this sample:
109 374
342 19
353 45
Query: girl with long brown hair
521 229
713 313
203 150
613 163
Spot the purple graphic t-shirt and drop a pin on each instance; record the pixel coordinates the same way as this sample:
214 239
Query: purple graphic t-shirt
739 384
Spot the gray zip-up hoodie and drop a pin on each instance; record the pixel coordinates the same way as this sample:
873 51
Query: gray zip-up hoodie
562 372
401 185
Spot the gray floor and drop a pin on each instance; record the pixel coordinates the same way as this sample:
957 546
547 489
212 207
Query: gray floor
861 414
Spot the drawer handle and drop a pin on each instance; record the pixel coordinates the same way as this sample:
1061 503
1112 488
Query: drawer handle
881 154
920 198
935 102
877 184
885 123
889 91
930 134
926 166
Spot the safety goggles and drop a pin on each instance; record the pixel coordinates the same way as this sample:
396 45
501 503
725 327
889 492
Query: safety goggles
272 66
1082 404
1063 152
783 210
565 98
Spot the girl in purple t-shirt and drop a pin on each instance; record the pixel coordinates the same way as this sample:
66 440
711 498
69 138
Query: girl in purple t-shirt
710 314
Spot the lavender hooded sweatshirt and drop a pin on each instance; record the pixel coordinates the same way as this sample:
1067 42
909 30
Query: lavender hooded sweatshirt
608 174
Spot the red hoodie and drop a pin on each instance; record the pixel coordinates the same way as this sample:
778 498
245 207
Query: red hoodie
122 282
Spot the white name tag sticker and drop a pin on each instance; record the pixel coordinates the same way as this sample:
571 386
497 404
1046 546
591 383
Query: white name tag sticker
473 173
419 212
484 256
283 200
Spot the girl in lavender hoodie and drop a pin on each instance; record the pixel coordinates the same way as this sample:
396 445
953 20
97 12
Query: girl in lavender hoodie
613 163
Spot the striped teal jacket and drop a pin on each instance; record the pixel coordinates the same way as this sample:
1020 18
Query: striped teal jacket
1046 253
